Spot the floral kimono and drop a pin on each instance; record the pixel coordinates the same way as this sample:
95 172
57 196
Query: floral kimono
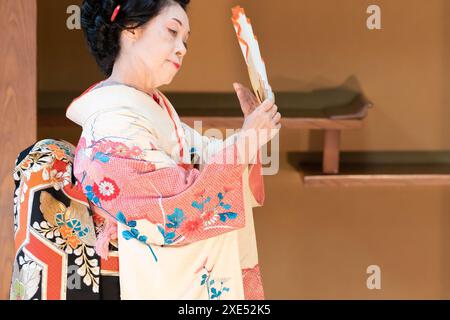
55 232
178 204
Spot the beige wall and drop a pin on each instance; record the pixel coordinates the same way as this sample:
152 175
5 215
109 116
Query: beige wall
318 242
306 44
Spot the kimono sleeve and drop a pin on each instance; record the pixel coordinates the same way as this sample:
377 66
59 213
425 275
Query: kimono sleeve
205 147
167 206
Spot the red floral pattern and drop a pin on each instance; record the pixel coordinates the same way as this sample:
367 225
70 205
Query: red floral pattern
191 226
106 190
118 149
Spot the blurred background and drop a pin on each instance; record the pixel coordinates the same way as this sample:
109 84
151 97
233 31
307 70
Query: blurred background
314 242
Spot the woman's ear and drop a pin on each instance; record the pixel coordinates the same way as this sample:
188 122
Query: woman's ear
130 34
129 37
133 32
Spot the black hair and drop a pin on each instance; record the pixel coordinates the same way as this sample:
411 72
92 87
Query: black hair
103 36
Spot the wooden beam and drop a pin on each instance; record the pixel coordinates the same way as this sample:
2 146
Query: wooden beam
288 123
332 140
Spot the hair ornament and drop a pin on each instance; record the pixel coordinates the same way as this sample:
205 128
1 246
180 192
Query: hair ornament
115 13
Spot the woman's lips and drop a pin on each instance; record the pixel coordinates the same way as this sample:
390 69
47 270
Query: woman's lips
176 65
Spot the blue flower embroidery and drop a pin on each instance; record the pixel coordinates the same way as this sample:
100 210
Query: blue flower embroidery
133 233
225 215
74 224
168 236
214 292
229 215
201 205
102 157
175 220
91 195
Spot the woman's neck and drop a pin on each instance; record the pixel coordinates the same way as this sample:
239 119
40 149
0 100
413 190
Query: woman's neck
111 82
124 78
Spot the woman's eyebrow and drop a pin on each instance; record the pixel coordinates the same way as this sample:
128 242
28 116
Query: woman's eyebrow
189 32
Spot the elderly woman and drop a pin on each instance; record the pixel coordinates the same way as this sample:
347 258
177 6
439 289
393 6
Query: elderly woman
183 229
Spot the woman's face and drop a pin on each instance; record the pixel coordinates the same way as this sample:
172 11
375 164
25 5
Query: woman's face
158 47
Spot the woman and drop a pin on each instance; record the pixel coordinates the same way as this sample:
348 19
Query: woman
181 232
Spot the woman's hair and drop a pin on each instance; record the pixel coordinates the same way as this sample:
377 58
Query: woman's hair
103 36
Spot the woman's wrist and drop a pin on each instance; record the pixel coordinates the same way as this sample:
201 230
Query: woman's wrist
247 146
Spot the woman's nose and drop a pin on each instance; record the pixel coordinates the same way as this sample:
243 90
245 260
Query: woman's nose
181 50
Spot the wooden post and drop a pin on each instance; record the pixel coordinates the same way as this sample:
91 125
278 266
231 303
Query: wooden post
18 91
331 151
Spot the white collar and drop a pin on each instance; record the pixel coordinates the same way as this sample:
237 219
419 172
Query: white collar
112 96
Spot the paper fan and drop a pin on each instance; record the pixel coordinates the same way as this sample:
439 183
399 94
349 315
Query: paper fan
252 55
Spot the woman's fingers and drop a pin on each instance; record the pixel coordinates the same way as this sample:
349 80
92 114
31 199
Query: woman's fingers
267 105
245 94
276 118
253 98
273 111
265 117
249 96
246 108
247 99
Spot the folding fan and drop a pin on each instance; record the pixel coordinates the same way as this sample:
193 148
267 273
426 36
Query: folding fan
252 55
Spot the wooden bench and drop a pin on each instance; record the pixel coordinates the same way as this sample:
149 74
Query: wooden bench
330 110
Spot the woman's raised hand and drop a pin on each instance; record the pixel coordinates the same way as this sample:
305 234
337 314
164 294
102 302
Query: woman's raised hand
247 99
259 127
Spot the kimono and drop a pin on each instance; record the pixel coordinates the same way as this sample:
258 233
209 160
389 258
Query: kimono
55 231
177 204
